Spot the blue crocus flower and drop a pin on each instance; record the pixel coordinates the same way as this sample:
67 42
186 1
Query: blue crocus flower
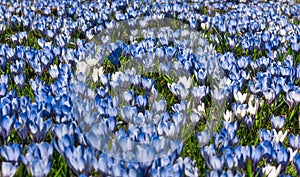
297 163
277 122
256 155
127 96
97 136
63 142
221 140
11 153
283 156
203 138
6 125
148 83
294 141
216 163
141 101
79 159
200 92
249 121
114 57
6 109
15 105
37 159
170 52
18 66
293 97
269 95
3 89
201 75
179 90
3 63
38 127
10 53
128 113
243 62
295 47
230 161
20 80
265 135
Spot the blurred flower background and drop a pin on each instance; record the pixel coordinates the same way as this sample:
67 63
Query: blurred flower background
59 115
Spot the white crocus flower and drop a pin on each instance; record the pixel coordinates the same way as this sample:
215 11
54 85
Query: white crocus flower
82 67
91 61
240 97
252 109
116 76
271 171
187 82
279 136
54 72
228 116
200 109
292 153
96 73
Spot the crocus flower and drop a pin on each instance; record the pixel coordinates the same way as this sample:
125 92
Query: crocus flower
294 141
8 169
279 136
37 159
6 125
11 153
277 122
271 171
297 163
239 97
203 138
228 116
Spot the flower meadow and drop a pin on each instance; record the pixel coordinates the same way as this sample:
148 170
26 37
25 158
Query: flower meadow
150 88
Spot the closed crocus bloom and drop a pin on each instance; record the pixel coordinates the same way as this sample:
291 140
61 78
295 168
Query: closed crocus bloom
54 72
249 121
266 135
216 162
269 95
6 125
141 101
37 159
252 109
201 75
265 36
78 158
243 62
147 83
297 163
200 92
295 47
293 97
294 141
203 138
277 122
